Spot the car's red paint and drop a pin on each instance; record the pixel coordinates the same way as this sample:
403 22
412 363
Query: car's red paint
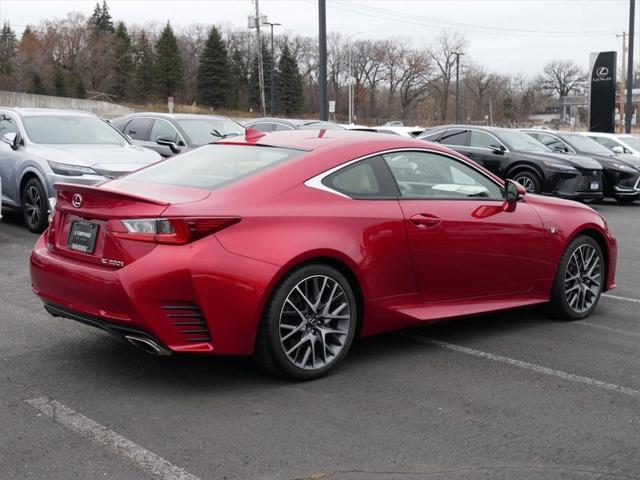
478 256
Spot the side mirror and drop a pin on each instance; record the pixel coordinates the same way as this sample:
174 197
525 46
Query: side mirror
168 143
11 139
617 149
498 150
513 192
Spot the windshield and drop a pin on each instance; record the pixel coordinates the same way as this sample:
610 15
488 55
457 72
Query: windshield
69 129
206 130
212 166
632 141
585 144
519 141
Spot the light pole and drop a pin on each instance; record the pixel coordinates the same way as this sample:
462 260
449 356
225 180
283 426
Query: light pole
322 78
272 100
351 92
457 54
627 111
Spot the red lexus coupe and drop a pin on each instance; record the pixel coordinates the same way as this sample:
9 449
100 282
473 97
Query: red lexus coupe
288 245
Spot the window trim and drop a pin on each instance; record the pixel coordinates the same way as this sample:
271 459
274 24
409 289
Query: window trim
316 181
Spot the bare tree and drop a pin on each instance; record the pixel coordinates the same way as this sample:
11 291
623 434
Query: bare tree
562 77
444 57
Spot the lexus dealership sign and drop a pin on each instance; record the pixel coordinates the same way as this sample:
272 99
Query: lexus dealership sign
602 92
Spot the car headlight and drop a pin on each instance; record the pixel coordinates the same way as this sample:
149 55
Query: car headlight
559 166
70 170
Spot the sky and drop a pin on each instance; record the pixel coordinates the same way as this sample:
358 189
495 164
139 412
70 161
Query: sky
508 36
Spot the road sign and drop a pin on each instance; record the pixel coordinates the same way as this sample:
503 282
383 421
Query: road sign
332 106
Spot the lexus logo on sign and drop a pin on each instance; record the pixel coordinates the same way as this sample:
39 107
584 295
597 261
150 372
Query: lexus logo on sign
76 200
602 72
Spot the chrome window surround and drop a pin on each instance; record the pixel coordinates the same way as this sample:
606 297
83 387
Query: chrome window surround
316 182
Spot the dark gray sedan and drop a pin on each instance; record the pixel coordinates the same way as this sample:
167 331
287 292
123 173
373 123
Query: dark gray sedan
168 133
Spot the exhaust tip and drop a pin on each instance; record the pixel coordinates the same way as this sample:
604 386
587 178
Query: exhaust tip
148 345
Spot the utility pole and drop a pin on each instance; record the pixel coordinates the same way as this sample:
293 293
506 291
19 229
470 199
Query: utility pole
322 37
628 110
622 80
272 101
350 83
260 67
457 54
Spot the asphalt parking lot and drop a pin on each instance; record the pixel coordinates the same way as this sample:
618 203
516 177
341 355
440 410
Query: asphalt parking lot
513 395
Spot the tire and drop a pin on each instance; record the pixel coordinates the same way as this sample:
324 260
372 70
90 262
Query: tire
35 209
529 180
291 328
574 283
626 199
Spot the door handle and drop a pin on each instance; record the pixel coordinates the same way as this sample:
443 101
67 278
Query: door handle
425 220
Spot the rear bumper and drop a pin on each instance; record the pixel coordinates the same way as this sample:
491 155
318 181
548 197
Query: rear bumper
196 298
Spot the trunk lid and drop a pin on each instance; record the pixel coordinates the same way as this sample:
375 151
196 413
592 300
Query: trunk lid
87 219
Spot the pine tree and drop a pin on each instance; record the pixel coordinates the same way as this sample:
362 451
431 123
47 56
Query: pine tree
238 80
289 83
8 49
37 85
59 84
122 61
100 19
81 90
213 85
168 66
254 80
143 77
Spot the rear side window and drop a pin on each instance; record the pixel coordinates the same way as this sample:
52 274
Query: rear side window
366 179
280 127
139 128
458 138
213 166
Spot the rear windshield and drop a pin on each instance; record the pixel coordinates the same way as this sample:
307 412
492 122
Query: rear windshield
212 166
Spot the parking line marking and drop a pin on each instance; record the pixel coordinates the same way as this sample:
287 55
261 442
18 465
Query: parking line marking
610 329
151 463
616 297
528 366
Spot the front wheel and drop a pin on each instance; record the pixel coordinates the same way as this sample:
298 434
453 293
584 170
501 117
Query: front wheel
579 280
530 181
308 325
35 207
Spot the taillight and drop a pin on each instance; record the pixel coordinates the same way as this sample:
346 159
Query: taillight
175 231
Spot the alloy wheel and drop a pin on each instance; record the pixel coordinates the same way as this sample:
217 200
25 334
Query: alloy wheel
583 278
32 205
527 183
314 322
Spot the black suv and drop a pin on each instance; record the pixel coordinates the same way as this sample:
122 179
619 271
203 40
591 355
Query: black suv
621 172
513 154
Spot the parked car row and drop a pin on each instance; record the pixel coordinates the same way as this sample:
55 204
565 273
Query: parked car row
41 147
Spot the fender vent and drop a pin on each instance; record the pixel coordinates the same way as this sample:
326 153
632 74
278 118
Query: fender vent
188 321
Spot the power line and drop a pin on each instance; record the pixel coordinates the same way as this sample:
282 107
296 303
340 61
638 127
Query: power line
384 14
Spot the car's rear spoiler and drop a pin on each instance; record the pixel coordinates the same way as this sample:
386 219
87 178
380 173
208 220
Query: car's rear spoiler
104 192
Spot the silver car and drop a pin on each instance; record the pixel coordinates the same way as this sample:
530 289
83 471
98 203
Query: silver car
172 133
41 147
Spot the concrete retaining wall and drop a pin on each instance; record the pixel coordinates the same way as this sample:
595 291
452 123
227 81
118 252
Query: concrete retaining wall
28 100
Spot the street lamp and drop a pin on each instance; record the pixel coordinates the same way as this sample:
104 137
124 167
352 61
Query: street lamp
457 54
272 100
